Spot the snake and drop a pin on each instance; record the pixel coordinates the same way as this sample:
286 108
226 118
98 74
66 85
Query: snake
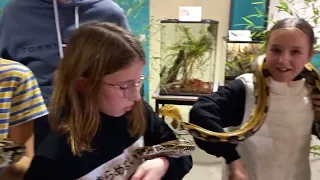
10 152
174 148
258 113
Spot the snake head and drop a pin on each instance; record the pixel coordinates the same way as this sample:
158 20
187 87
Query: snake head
174 113
312 75
170 111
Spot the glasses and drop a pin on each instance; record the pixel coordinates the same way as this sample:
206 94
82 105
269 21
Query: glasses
129 90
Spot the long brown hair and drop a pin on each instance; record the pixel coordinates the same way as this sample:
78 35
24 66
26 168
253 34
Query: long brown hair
94 50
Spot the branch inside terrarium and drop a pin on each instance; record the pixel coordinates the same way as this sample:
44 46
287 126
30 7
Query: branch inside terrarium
193 54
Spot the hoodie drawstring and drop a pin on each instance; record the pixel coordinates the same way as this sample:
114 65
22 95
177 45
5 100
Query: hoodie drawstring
57 22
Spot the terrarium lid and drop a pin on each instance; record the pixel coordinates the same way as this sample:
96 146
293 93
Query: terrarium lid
206 21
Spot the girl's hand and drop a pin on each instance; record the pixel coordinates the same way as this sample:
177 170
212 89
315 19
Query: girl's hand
237 171
153 169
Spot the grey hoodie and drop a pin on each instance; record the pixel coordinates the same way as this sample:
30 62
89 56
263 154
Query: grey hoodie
30 31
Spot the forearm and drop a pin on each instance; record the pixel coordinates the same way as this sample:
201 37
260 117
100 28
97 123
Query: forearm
235 165
237 170
22 134
178 168
220 149
17 170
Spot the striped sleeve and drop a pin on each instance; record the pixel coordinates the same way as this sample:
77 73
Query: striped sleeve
27 101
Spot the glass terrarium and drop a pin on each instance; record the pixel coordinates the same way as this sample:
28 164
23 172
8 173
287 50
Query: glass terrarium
188 53
240 56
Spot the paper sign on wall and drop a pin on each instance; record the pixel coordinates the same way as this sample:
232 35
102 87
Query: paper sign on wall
239 35
190 13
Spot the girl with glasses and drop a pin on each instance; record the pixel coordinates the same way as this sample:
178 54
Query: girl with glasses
97 114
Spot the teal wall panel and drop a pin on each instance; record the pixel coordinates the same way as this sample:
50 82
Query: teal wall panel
138 13
2 4
316 60
243 8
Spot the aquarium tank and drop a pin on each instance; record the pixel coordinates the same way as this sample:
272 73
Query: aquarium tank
240 56
188 53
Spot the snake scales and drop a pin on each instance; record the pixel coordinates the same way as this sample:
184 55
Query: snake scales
11 152
258 115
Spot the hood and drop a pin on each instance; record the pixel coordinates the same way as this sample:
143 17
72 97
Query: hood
73 2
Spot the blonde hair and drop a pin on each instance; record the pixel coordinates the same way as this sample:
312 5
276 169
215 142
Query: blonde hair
94 50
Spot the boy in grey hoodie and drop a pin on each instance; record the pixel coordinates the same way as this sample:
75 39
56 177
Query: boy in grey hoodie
34 32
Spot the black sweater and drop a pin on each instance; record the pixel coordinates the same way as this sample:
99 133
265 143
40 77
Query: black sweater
218 110
54 159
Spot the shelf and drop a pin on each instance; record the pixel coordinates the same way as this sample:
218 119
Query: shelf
204 21
253 41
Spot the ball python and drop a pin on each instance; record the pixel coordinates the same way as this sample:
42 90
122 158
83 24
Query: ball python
10 152
175 148
258 114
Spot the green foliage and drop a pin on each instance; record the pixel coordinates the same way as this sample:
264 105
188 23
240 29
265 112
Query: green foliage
241 62
245 59
240 58
133 10
133 7
195 49
315 150
286 6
